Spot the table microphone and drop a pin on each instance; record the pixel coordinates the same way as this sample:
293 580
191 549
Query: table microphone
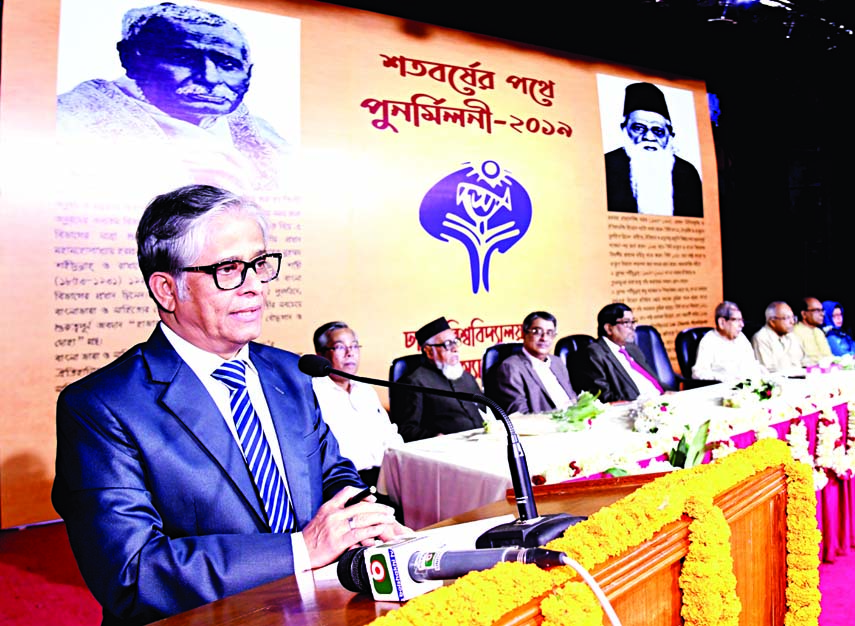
530 530
401 570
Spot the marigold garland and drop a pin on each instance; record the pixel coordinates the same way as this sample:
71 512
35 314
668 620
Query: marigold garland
707 579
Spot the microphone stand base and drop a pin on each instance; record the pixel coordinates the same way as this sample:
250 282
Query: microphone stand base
531 533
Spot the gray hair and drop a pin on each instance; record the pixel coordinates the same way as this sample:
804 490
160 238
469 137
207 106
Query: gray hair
174 227
725 309
772 308
136 22
321 336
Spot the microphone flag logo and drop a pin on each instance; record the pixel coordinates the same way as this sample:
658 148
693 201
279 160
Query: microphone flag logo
380 577
481 206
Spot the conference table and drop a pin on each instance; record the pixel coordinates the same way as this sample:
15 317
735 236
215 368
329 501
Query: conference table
441 477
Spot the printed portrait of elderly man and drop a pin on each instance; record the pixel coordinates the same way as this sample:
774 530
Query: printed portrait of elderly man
180 104
645 175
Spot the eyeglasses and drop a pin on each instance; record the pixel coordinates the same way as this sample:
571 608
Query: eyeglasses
735 319
631 323
448 344
641 130
230 275
539 332
815 310
785 318
341 349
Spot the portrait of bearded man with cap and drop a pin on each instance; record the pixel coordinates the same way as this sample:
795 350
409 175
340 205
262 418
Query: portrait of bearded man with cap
645 175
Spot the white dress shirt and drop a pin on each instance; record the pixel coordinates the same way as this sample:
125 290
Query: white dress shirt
358 421
550 382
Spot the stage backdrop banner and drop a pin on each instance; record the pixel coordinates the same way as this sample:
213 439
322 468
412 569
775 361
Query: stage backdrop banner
409 171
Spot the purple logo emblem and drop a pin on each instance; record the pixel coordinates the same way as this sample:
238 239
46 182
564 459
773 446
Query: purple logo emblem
483 208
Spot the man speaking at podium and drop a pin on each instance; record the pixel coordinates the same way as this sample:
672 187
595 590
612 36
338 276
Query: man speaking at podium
197 464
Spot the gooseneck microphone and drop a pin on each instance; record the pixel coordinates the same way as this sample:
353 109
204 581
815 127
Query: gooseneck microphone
530 530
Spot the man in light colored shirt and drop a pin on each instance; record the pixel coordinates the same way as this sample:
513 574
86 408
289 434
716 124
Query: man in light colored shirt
350 408
533 380
775 345
809 331
613 365
725 354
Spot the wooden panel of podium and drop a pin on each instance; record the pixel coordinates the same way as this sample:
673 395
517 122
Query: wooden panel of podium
642 584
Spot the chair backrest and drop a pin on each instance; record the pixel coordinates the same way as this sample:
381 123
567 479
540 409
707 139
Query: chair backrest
403 365
686 345
648 339
566 349
493 356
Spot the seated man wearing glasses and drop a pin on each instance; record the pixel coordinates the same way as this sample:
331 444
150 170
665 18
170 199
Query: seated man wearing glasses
613 365
533 380
776 346
352 409
724 353
419 415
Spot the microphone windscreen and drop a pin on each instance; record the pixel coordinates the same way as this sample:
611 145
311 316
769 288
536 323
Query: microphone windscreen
352 573
314 365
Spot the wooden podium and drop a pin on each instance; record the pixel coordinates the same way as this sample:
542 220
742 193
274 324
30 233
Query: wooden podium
642 583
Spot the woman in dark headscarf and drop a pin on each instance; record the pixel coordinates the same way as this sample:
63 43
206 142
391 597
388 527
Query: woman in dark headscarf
839 342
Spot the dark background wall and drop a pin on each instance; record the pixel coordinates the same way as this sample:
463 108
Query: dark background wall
784 81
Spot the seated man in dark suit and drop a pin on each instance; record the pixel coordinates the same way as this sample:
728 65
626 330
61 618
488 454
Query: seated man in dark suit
419 415
613 364
197 465
533 380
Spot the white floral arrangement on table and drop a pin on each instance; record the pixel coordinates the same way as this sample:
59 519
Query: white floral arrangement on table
658 417
844 362
580 414
749 392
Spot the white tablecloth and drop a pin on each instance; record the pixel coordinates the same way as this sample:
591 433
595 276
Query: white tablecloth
438 478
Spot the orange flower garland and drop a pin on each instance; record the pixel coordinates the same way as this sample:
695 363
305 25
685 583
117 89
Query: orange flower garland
707 580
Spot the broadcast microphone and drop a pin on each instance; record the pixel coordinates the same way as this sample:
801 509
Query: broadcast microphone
381 570
530 530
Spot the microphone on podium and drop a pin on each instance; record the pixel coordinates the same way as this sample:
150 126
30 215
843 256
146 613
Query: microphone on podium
530 530
401 570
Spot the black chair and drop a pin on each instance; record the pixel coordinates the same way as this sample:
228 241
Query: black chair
403 365
686 345
566 349
648 339
493 356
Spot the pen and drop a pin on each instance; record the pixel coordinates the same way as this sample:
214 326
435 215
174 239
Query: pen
368 491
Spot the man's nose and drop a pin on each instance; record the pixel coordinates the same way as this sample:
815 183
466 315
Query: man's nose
210 72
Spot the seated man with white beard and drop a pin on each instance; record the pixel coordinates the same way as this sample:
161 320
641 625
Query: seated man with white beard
420 416
645 175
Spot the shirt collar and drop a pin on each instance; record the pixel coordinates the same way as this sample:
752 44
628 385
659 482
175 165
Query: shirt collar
199 360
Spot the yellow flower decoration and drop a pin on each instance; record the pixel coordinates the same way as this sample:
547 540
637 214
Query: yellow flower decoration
706 579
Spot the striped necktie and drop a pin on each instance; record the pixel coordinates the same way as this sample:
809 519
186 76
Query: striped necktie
268 482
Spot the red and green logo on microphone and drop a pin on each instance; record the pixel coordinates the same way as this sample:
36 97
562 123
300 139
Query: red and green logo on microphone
380 577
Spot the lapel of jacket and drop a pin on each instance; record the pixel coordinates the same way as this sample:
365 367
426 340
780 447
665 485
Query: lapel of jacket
282 394
534 379
187 399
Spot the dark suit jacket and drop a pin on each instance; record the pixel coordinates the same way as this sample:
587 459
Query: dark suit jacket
159 504
599 370
688 194
518 387
420 416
